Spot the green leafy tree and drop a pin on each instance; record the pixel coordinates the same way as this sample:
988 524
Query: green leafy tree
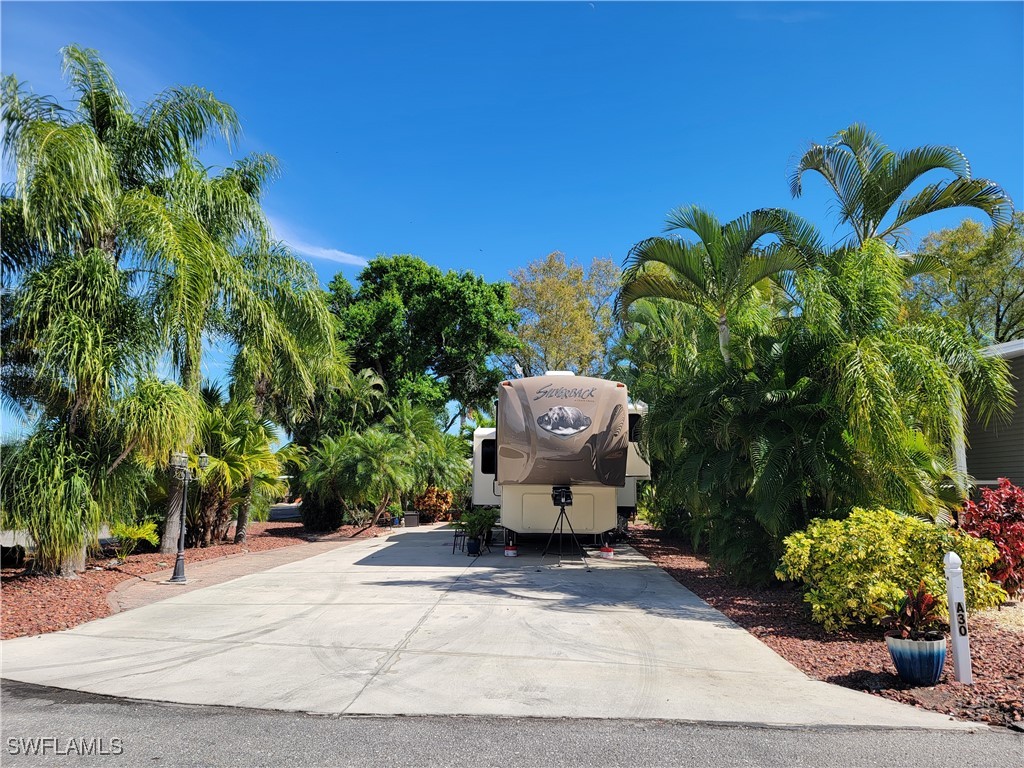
843 403
565 316
977 279
99 176
869 181
722 269
428 334
358 469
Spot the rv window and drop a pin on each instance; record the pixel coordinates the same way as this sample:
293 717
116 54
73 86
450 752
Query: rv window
634 427
488 457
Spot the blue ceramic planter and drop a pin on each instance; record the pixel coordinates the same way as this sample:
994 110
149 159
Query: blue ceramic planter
918 662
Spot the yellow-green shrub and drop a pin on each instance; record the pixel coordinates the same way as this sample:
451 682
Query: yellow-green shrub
857 569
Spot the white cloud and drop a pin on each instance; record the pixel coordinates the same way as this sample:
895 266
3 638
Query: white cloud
283 232
327 254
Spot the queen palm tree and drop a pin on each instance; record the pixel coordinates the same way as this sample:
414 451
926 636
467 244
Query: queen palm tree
722 268
285 343
101 176
868 179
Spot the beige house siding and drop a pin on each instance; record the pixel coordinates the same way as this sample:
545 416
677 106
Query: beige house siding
998 451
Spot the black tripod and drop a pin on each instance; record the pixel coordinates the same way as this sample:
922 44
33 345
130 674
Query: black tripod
562 497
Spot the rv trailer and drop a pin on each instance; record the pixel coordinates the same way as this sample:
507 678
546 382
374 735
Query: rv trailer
560 430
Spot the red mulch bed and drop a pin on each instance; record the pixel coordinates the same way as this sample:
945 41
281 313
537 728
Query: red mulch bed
32 604
858 659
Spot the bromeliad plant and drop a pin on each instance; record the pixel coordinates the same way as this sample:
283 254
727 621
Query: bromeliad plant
917 617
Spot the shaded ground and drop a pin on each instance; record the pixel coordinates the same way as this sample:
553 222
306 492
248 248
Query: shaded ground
857 659
32 605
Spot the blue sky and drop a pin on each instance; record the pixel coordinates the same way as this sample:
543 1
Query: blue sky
484 136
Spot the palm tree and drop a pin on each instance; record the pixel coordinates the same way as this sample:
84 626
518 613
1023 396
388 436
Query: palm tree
91 176
285 343
719 271
364 468
102 421
243 468
366 392
843 403
102 176
869 179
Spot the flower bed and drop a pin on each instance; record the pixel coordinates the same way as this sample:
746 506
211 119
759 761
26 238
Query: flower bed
857 658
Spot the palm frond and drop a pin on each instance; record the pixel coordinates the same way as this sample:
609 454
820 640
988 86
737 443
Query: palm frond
981 194
100 101
704 224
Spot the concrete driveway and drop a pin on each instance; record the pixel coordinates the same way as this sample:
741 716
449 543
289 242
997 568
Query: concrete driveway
401 625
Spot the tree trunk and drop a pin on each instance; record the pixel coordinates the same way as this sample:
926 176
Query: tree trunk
380 509
223 520
172 524
208 518
73 565
723 338
242 524
261 392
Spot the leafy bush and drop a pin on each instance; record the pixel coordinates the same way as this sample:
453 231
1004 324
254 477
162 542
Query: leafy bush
856 570
129 535
999 517
433 503
319 514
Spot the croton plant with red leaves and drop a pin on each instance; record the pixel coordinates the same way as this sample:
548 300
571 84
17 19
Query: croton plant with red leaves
999 517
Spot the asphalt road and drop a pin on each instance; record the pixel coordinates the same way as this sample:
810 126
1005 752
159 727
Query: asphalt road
169 736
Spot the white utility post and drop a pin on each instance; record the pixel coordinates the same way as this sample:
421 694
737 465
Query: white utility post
958 618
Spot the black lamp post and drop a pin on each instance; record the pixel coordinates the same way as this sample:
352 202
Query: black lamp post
179 465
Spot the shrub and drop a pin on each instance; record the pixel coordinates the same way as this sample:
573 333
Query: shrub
128 536
358 516
320 515
857 570
433 503
999 517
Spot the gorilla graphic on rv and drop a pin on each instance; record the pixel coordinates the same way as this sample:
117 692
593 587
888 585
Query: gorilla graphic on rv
564 421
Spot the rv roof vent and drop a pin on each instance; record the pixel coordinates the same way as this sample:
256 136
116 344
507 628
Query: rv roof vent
559 373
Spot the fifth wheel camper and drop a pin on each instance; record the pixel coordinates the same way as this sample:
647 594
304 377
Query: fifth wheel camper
560 430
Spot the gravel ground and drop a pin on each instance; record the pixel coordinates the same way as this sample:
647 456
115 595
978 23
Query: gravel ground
858 659
32 605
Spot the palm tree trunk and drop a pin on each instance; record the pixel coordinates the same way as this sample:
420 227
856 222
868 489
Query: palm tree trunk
380 509
723 337
242 525
74 564
169 541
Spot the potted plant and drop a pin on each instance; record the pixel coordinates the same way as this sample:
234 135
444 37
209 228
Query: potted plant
477 523
915 641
